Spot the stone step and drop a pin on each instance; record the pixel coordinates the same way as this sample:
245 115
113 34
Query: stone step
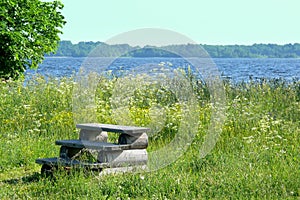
130 130
123 158
105 160
80 144
50 164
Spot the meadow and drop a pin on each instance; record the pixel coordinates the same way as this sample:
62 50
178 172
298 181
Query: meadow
256 157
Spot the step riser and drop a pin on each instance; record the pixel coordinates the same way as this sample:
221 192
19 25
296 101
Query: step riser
93 135
123 158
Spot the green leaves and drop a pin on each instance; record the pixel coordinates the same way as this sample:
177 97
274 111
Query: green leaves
28 30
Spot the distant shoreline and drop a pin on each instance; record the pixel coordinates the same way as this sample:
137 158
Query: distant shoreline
84 49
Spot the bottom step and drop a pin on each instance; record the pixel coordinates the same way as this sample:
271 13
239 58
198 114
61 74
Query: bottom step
103 168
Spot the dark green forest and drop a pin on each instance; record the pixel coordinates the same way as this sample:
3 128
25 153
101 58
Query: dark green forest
83 49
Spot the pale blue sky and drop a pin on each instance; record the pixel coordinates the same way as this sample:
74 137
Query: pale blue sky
204 21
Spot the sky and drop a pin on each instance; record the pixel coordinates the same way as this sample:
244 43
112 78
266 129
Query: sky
215 22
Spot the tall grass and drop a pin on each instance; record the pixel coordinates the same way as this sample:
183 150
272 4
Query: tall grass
31 118
257 155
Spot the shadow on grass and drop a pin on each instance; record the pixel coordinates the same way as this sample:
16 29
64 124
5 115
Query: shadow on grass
52 177
35 177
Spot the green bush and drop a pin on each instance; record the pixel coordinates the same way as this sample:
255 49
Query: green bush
28 30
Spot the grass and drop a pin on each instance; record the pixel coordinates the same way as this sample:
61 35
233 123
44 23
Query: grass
256 157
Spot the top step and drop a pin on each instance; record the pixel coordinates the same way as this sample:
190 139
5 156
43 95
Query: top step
131 130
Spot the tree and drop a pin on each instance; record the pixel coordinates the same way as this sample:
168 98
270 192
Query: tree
28 30
65 48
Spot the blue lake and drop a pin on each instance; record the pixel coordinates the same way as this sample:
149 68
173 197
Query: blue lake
235 69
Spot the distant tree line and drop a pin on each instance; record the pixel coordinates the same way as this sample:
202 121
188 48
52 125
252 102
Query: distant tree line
254 51
83 49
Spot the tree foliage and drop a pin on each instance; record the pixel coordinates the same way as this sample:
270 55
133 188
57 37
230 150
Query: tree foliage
28 30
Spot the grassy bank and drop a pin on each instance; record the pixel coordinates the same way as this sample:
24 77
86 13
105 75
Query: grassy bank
257 155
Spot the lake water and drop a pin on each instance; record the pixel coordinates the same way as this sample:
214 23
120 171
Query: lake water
235 69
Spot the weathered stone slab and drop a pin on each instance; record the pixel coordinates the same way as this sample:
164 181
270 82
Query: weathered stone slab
128 155
123 158
102 167
80 144
131 130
